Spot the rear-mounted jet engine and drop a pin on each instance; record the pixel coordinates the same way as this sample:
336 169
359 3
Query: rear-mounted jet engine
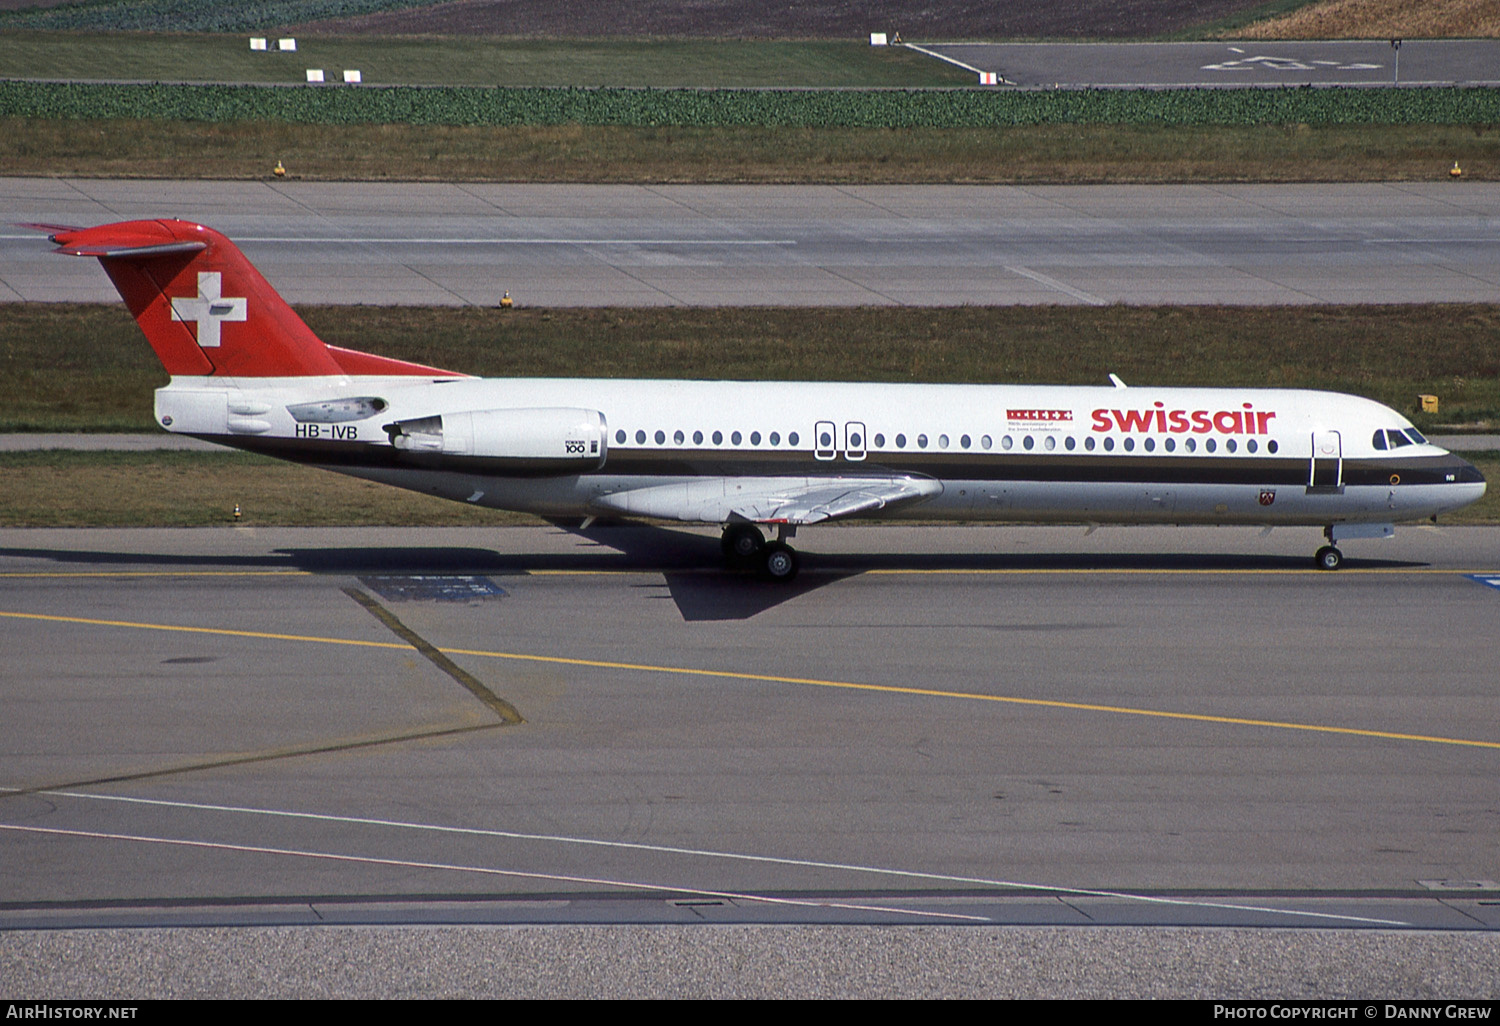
525 442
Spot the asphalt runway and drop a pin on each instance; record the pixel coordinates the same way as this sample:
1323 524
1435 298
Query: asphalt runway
591 245
1232 62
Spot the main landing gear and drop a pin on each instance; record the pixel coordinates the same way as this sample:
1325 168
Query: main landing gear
745 546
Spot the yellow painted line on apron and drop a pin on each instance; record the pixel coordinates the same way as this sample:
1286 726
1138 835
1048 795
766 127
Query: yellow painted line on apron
890 689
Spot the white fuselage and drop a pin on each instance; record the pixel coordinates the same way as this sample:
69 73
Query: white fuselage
1004 452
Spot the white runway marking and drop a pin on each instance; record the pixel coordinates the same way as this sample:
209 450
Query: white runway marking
254 849
1053 283
951 60
705 853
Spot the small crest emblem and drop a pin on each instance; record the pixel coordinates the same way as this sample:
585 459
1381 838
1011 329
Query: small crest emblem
1267 496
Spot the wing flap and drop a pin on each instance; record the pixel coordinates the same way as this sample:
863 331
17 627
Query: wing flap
769 500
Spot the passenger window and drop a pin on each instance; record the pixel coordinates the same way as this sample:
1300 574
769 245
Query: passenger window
640 438
942 441
1230 445
755 438
1006 443
1088 443
1209 445
791 439
1068 443
1250 446
1150 444
1190 444
697 437
661 437
1130 444
964 441
1109 445
678 437
921 441
1170 445
1271 447
718 438
1027 443
775 438
620 436
986 442
901 441
880 441
735 438
1050 442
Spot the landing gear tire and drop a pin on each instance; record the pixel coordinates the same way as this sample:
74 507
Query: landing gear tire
779 562
1329 558
742 543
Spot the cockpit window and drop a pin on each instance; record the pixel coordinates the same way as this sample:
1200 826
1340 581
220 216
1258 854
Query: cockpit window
1416 436
1397 439
1379 440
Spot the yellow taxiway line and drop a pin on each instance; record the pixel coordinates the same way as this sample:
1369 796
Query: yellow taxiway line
890 689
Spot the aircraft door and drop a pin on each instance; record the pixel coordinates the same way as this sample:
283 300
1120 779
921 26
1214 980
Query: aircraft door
1325 467
825 440
854 440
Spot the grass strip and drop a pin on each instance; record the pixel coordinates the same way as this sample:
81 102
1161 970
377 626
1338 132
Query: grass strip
62 488
475 61
715 108
1064 154
1388 353
176 489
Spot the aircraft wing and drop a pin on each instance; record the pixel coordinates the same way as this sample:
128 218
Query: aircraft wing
770 500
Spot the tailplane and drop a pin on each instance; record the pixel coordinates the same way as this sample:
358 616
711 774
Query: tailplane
206 310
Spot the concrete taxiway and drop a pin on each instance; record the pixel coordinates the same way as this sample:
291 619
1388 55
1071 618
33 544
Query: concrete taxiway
236 716
283 729
1239 62
591 245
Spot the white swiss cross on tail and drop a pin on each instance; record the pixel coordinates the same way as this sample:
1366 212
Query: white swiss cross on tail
208 309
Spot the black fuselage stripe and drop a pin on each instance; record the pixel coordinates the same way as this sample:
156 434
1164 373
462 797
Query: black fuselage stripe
999 468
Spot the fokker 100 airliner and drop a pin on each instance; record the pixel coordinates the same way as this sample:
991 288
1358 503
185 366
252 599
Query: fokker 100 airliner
246 372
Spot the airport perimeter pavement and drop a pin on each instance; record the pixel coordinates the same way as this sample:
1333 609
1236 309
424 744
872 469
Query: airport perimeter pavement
624 245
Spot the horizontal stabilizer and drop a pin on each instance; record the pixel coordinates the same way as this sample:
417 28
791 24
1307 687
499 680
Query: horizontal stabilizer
132 251
50 229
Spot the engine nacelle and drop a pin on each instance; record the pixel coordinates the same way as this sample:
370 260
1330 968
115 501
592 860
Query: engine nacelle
550 440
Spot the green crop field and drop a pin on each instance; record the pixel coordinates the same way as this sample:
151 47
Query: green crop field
722 108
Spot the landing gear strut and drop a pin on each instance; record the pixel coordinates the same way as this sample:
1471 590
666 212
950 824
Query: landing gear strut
745 546
742 543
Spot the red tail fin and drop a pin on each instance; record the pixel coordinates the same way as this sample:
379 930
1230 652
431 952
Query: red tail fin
206 310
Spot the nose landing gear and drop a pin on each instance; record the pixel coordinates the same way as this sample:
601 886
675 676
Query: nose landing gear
1328 558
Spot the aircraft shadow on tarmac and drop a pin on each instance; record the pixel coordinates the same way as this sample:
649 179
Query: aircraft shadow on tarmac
691 564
